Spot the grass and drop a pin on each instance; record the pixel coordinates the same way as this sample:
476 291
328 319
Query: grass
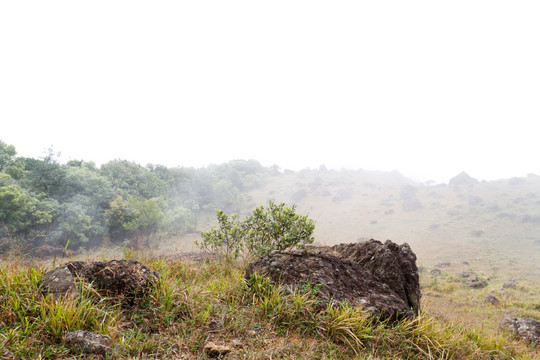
198 302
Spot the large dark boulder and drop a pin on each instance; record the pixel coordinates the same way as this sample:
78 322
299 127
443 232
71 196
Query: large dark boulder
126 280
527 330
340 279
393 264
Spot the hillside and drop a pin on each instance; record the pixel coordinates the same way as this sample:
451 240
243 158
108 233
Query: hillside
496 221
464 232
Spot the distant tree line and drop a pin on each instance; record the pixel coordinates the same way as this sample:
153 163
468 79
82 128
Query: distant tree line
45 202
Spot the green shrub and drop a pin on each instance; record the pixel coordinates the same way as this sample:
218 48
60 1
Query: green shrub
275 227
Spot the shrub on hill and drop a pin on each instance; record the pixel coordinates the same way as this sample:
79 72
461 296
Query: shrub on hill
275 227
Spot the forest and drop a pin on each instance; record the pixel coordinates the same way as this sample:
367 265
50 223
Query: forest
78 205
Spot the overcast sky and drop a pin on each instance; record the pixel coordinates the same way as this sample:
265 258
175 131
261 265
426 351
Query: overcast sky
429 88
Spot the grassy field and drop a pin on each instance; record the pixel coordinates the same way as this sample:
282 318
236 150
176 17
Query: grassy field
198 302
490 229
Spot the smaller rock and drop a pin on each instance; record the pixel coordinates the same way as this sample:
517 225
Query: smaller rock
59 282
465 274
527 330
477 283
87 342
435 272
492 299
509 285
213 350
465 263
443 265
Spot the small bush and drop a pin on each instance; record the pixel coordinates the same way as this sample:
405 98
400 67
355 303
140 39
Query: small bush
275 227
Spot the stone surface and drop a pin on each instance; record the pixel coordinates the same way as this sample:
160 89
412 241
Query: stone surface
527 330
443 265
125 279
393 264
87 342
492 299
59 282
341 280
475 283
509 284
216 351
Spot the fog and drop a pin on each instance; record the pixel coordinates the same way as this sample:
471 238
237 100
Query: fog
429 89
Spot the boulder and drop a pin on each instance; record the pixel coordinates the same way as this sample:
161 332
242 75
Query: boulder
393 264
123 279
509 285
476 284
341 280
87 342
492 299
527 330
59 282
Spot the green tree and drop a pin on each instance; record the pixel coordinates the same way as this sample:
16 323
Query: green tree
129 178
7 155
22 216
9 163
117 216
45 177
134 218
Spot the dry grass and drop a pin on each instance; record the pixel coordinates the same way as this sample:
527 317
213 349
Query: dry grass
198 302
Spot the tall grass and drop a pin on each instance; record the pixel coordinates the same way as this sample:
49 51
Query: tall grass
197 302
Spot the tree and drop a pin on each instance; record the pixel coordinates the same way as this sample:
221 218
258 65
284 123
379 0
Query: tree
134 218
129 178
7 155
275 227
117 216
9 163
22 216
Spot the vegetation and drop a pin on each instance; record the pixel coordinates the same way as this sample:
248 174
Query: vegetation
198 302
275 227
490 228
77 203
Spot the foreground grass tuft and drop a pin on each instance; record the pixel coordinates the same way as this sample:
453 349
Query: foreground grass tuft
199 302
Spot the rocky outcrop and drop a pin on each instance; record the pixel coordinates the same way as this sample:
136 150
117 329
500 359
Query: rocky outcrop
340 280
393 264
462 179
87 343
126 280
527 330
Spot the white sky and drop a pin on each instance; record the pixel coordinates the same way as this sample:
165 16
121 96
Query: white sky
429 88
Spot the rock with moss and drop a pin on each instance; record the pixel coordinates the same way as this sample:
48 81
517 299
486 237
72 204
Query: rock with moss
527 330
337 280
87 342
393 264
126 280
